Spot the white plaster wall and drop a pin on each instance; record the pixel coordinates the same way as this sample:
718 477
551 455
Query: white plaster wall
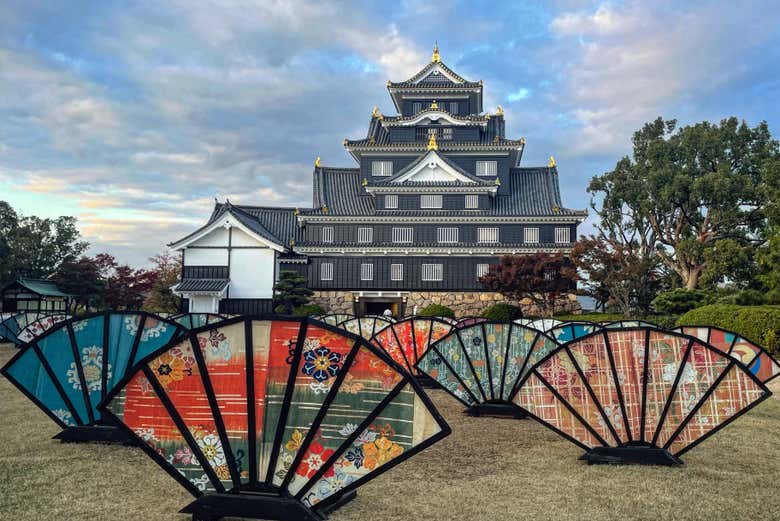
198 257
202 304
252 273
241 238
217 237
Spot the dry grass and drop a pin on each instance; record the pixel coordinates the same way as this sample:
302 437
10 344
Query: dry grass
487 470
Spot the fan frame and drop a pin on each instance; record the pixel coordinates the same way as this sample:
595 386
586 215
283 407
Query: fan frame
639 451
259 498
678 329
91 431
491 407
423 379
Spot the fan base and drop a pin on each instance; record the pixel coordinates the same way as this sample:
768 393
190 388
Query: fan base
94 433
212 507
498 409
631 454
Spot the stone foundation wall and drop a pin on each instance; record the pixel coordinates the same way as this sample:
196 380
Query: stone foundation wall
463 303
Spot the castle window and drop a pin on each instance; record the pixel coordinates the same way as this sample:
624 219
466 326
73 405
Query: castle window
472 202
326 271
416 107
432 272
381 168
531 235
487 168
391 202
402 235
562 235
446 134
482 270
396 272
447 235
453 107
367 271
487 235
365 235
430 201
327 234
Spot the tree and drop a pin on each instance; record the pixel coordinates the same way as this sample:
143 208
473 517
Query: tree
540 277
616 273
290 292
168 270
82 279
695 186
9 221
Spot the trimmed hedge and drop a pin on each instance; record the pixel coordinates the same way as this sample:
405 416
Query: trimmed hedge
436 310
502 312
662 320
308 310
760 324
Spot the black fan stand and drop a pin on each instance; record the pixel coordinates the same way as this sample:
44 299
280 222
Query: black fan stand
99 432
427 382
498 409
631 454
258 505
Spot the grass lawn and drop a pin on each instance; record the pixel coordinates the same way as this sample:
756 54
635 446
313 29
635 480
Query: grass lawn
487 470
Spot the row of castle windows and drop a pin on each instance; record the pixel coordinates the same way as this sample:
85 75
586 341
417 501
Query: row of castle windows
452 106
449 235
384 168
434 201
429 272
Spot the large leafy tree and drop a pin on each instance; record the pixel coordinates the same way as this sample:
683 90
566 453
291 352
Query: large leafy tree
540 277
81 278
696 186
31 246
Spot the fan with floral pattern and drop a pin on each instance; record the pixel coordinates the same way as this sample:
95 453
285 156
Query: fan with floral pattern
68 369
572 330
638 395
334 319
278 418
12 325
408 340
39 327
481 364
366 326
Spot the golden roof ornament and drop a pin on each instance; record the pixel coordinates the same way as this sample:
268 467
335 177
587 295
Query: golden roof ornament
495 138
317 163
292 241
551 162
556 209
365 182
436 57
432 145
522 140
372 140
296 212
375 113
324 209
500 111
434 105
498 181
345 142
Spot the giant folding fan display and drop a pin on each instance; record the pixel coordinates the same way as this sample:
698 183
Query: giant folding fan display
572 330
756 358
273 419
408 340
334 319
13 324
470 321
70 368
541 324
39 327
640 395
366 326
620 324
196 320
481 364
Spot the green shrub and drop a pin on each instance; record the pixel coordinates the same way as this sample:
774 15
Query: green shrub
760 324
745 297
502 312
436 310
592 317
308 310
680 300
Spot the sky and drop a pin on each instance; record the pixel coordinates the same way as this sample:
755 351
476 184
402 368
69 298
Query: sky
134 116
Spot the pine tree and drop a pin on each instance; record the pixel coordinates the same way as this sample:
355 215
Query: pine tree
291 292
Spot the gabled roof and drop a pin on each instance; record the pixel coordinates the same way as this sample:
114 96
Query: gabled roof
338 191
273 226
432 157
435 114
201 286
46 288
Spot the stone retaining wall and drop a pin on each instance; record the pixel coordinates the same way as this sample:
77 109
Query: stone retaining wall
463 303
